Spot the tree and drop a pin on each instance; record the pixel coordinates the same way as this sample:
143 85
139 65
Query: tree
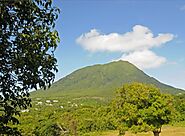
27 44
140 108
50 128
179 104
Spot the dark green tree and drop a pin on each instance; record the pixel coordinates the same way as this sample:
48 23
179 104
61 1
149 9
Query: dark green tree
140 108
27 44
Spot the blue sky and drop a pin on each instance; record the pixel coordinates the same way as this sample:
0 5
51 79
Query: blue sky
100 31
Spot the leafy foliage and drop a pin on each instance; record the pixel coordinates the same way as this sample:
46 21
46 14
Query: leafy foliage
141 108
27 44
78 115
179 104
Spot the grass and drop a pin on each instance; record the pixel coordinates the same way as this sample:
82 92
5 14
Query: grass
166 131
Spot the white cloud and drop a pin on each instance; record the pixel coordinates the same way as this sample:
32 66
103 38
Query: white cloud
139 38
134 45
144 59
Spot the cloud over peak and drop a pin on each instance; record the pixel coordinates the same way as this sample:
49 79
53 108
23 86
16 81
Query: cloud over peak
135 45
144 59
139 38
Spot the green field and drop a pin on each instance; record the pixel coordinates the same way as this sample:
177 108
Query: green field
166 131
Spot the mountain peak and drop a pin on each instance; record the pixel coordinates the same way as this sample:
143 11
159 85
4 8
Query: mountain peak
103 80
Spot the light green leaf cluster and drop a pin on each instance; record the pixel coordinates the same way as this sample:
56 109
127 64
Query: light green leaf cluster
140 108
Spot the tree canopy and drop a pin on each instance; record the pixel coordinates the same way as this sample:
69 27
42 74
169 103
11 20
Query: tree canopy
140 108
27 44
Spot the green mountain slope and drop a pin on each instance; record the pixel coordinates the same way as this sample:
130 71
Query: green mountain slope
101 80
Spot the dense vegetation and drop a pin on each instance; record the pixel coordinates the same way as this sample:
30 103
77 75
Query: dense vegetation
86 98
80 116
102 80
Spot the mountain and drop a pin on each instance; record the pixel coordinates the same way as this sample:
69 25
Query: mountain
102 80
